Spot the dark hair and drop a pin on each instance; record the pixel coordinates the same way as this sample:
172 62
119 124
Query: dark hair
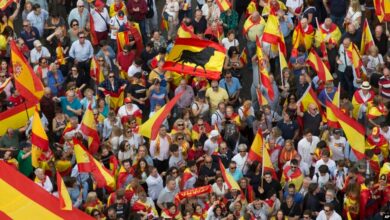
173 148
36 6
294 161
73 21
291 185
122 145
312 187
323 169
321 144
232 50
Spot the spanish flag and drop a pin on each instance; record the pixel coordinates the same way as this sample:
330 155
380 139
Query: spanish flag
95 71
185 32
88 127
244 57
16 117
319 66
230 182
65 201
354 55
86 163
267 163
289 176
273 35
367 39
94 39
260 98
255 153
224 5
385 170
26 81
64 167
307 98
249 22
301 37
39 140
196 57
185 177
60 55
5 84
352 129
382 10
252 7
164 24
331 118
29 201
115 98
283 64
320 42
151 127
263 72
5 3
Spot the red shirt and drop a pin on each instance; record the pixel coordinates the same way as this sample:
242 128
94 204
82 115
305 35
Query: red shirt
125 60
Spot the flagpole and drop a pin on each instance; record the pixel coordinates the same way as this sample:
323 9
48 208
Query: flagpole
262 166
26 109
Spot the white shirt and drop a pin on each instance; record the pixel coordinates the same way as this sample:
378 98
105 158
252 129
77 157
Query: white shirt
107 127
331 165
322 216
216 119
215 12
164 149
209 146
122 112
116 22
321 180
155 186
133 69
7 89
35 55
218 191
386 134
337 147
100 20
306 149
294 4
227 44
241 162
47 185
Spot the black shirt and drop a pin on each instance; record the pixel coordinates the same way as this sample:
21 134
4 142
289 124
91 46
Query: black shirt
381 44
275 185
312 123
290 212
338 8
199 27
137 91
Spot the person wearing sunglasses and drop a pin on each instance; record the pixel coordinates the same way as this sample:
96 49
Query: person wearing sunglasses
81 53
80 14
328 213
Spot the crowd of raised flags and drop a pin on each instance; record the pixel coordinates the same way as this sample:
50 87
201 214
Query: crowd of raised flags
280 127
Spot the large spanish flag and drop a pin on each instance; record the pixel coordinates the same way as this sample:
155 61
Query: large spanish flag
87 163
115 98
273 35
263 72
5 3
319 66
244 57
94 39
39 140
267 163
367 39
151 127
382 10
16 117
352 129
26 81
309 97
88 127
95 72
252 7
196 57
331 118
255 153
224 5
230 182
354 55
63 194
21 198
185 32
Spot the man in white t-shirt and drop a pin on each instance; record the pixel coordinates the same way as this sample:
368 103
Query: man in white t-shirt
128 109
337 145
116 22
307 146
211 144
328 213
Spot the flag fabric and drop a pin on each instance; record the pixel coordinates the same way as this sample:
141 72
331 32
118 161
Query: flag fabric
192 193
273 35
95 72
263 72
354 131
244 57
86 163
229 180
185 32
29 200
367 39
331 118
88 127
164 24
26 81
39 140
223 5
382 10
301 37
249 22
63 194
16 117
122 39
267 163
196 57
308 97
60 55
260 98
5 84
354 55
151 127
255 153
115 98
322 34
289 176
5 3
252 7
94 38
283 64
185 177
319 66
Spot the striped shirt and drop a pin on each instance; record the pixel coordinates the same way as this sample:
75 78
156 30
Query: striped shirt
384 83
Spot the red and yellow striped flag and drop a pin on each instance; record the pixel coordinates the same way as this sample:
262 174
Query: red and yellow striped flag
263 72
255 153
273 35
185 177
94 38
116 99
352 129
122 39
367 39
86 163
223 5
267 163
88 127
283 65
151 127
331 118
354 55
249 22
185 32
260 98
164 24
196 57
60 55
28 199
382 10
252 7
5 3
319 66
307 98
16 117
95 71
63 194
229 180
39 140
244 57
26 81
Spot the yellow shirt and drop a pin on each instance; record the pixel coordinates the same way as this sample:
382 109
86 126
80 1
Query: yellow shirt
256 30
9 23
154 75
216 97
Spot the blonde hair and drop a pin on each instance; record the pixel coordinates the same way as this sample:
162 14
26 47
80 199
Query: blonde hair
92 196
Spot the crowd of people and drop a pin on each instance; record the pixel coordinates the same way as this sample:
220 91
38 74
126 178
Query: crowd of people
317 174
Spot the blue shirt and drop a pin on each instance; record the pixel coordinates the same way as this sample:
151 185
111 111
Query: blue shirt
30 37
52 81
81 52
298 198
301 59
323 96
76 105
157 98
288 129
237 175
284 26
231 88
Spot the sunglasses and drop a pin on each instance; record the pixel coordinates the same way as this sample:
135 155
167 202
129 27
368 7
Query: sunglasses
200 124
101 60
180 138
232 168
82 37
180 124
110 76
73 25
80 6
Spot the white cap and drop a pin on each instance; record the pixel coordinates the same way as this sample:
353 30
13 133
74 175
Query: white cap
214 133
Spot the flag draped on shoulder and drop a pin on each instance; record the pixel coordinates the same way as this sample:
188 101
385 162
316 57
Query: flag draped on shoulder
87 163
352 129
319 66
250 22
196 57
273 35
115 98
29 200
39 140
95 72
367 39
185 32
244 57
185 177
229 180
382 10
94 38
88 127
263 72
224 5
63 194
151 127
26 81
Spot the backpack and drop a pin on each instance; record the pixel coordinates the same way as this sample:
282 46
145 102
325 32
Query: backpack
150 12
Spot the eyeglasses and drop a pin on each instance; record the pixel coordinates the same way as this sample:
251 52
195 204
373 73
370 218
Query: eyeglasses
101 60
73 25
180 124
128 131
223 148
293 167
232 168
215 87
180 138
174 172
81 37
80 6
110 76
26 25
